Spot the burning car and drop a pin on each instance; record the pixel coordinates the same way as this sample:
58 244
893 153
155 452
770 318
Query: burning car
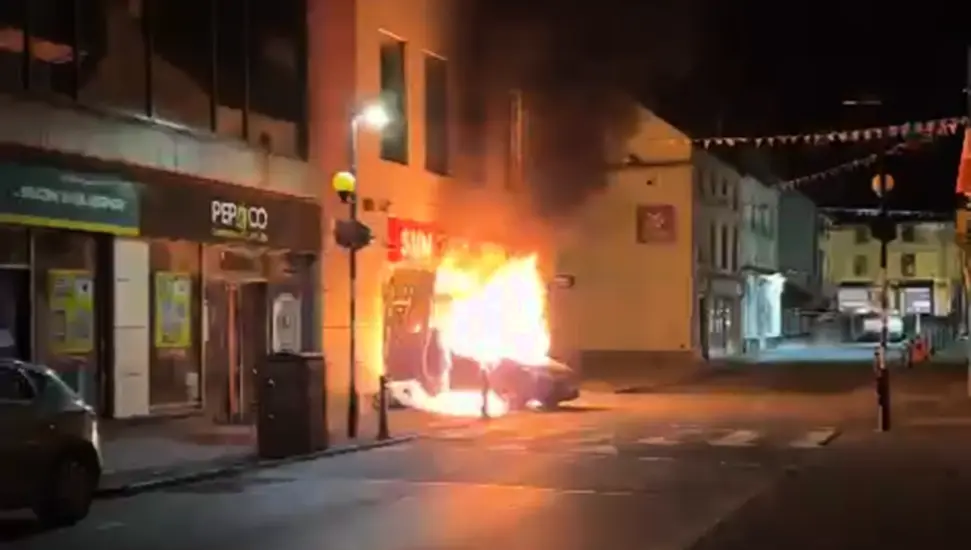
469 323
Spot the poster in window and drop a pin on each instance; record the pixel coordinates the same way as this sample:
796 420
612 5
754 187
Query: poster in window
655 224
71 311
173 299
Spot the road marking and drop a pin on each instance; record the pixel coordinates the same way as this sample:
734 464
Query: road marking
658 440
655 458
815 438
737 438
599 449
509 447
107 526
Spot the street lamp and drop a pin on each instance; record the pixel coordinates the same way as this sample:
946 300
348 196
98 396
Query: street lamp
375 117
881 184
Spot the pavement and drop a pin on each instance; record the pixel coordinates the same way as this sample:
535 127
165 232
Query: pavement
165 451
752 458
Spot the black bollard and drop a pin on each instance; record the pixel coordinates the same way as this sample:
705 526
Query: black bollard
383 431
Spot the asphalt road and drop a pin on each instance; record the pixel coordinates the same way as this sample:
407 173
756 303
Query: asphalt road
751 458
621 476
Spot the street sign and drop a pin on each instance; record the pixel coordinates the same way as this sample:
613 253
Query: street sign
875 183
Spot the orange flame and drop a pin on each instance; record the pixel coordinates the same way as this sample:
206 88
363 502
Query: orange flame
488 309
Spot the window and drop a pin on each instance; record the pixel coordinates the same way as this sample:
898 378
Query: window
14 386
724 187
712 185
734 264
712 244
908 234
436 115
908 265
394 137
235 67
699 179
514 141
724 248
861 235
859 266
174 364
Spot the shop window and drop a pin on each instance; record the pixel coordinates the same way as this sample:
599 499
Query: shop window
14 246
65 302
394 137
174 365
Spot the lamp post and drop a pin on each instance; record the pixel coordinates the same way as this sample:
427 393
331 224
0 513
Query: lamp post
374 117
882 183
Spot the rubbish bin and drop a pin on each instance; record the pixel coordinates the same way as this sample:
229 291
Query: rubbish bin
291 411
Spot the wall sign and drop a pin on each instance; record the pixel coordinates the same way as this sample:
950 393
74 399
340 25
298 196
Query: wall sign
218 212
410 240
49 197
656 224
233 220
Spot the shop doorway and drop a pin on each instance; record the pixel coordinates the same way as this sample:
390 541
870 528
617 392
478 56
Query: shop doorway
15 321
236 342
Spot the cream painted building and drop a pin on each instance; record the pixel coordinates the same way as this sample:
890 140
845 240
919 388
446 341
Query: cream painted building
418 197
923 266
631 254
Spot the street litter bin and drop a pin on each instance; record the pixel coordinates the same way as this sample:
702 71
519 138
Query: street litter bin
291 411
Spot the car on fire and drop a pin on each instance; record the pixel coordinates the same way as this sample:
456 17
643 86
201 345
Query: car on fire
414 353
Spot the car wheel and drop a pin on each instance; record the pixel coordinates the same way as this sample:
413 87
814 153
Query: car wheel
67 494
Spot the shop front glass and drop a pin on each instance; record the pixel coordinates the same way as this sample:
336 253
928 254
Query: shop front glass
15 330
175 287
65 308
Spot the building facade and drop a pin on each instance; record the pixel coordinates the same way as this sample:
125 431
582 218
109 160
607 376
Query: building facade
422 194
924 268
630 256
718 267
801 261
762 296
160 228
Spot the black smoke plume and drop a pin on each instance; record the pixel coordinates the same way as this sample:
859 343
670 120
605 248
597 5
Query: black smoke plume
578 64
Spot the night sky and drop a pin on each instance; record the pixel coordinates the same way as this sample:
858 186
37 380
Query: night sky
785 67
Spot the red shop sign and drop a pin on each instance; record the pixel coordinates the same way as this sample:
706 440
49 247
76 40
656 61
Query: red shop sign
413 240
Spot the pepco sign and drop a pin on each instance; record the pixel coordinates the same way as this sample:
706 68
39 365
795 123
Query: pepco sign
240 221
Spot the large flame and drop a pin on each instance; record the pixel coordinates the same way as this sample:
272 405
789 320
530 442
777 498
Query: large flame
489 308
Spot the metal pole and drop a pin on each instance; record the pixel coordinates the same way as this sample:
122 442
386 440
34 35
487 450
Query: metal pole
964 259
353 407
883 375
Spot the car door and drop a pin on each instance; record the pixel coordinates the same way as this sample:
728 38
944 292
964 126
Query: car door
17 438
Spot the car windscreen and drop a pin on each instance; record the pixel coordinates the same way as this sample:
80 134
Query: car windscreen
51 389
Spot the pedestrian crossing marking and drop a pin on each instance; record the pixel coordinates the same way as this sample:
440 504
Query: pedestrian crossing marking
737 438
659 440
814 438
599 450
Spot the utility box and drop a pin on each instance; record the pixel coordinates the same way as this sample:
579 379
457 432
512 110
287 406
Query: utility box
290 403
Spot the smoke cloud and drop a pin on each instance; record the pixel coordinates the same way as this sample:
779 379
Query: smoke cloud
575 63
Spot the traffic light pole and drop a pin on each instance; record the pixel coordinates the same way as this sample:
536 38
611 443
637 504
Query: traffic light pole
353 399
883 374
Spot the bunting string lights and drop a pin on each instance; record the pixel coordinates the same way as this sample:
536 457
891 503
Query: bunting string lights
862 162
907 130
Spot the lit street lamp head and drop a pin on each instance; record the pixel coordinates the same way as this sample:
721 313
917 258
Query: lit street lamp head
375 116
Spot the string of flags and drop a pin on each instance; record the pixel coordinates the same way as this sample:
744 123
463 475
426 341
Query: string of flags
907 130
855 164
